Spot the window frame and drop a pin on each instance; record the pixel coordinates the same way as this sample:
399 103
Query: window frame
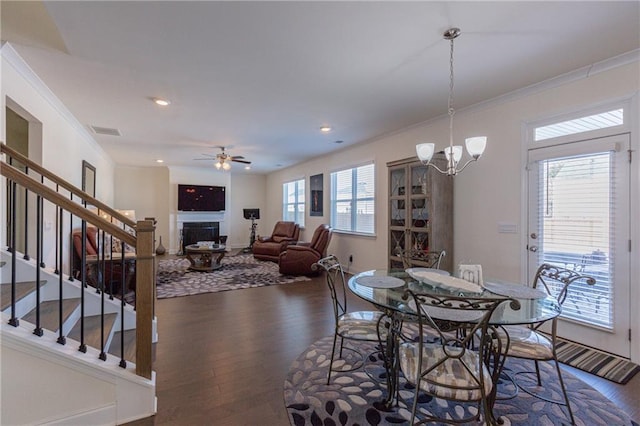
299 200
353 200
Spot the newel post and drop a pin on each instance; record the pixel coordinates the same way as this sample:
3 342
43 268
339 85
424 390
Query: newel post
145 294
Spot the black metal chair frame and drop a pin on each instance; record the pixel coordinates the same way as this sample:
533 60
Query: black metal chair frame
479 340
337 288
545 276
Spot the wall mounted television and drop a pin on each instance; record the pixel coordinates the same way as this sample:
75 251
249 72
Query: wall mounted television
201 198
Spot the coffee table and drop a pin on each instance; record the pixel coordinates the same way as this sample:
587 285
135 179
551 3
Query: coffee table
203 257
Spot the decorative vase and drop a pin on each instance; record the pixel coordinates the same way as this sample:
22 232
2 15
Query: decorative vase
160 249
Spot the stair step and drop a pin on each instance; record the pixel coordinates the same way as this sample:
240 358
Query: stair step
129 345
22 289
49 312
92 328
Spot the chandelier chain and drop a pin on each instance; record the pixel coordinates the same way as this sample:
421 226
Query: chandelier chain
450 103
453 153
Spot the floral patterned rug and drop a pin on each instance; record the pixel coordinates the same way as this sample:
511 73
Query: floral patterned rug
239 271
352 397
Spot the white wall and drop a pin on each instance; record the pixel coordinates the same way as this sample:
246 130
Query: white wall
247 191
64 142
145 190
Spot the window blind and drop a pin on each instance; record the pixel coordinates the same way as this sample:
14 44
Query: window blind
352 199
576 201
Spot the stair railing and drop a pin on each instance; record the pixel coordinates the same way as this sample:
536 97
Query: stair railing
142 241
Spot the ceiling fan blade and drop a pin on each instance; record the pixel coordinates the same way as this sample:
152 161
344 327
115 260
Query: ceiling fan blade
233 157
209 155
208 159
240 161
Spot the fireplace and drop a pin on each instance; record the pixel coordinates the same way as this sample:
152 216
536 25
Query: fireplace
192 232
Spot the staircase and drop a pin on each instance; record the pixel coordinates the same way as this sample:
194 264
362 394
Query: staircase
70 353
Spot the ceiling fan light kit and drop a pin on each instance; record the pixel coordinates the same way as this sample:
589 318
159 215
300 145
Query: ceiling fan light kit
453 153
223 160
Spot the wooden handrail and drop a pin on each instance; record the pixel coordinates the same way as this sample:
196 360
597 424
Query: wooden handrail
66 185
26 181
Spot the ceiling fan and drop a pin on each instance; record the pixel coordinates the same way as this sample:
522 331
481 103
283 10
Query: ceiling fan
223 160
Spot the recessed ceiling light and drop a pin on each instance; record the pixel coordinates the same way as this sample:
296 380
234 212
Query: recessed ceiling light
325 129
159 161
247 167
161 102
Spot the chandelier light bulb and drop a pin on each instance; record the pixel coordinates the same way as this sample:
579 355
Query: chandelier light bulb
476 145
457 153
218 165
425 151
226 166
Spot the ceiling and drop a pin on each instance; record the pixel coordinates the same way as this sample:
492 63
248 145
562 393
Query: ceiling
261 78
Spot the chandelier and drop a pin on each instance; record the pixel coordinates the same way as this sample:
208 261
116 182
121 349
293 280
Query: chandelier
453 153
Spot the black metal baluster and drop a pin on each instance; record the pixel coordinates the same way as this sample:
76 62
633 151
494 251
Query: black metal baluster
38 330
83 284
111 265
123 362
13 320
103 355
71 243
41 240
58 215
11 237
61 339
26 220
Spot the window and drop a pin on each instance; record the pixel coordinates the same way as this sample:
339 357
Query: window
602 120
352 200
293 202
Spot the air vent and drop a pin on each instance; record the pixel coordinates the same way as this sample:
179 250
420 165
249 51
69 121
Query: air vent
105 131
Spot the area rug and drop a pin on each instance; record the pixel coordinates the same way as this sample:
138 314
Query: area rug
353 397
596 362
239 271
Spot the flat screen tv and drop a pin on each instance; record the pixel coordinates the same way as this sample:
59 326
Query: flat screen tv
201 198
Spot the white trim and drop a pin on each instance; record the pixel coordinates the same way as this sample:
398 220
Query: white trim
47 349
105 415
14 59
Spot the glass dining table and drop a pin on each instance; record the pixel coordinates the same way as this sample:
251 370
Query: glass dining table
386 289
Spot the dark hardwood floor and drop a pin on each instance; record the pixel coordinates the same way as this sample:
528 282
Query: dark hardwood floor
222 358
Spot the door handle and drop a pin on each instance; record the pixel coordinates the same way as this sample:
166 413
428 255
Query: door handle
533 248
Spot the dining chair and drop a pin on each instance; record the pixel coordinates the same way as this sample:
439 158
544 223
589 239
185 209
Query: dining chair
452 366
530 343
427 259
357 326
471 273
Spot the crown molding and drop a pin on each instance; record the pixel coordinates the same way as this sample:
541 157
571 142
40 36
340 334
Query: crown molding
11 57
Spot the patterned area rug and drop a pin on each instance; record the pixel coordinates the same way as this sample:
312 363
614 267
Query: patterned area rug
352 396
239 271
591 360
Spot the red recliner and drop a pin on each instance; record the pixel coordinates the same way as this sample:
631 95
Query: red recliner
112 272
297 259
269 248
